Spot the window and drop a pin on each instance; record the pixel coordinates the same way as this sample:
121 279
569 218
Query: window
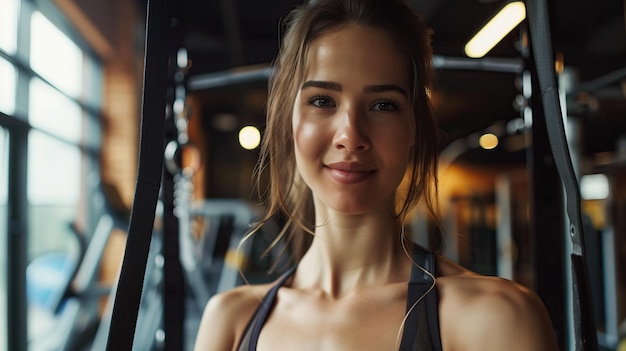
8 25
7 87
53 112
54 171
55 56
49 105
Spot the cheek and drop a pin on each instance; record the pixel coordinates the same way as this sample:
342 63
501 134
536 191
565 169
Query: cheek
307 137
398 147
307 149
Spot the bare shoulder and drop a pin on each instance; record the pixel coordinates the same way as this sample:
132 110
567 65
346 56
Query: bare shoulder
490 313
226 315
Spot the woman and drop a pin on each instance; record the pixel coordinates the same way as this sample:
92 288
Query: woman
348 118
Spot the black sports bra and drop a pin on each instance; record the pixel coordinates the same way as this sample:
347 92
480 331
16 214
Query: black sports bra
421 329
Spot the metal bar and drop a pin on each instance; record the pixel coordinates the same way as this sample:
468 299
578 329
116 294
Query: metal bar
506 65
609 265
600 82
173 275
227 78
584 322
231 77
231 26
504 232
546 220
17 241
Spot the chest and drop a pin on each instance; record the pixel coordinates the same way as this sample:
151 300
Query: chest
366 321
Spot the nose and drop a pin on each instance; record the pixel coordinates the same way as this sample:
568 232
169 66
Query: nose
351 131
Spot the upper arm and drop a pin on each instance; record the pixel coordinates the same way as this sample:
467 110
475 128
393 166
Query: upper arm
481 313
216 331
513 318
224 319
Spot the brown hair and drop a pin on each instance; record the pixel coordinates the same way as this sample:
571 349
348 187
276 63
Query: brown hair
287 195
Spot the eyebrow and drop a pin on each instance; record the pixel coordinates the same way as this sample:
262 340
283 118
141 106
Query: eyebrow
368 89
322 85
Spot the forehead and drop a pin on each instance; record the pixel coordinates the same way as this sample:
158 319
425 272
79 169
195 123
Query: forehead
356 53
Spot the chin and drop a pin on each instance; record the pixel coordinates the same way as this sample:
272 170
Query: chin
356 206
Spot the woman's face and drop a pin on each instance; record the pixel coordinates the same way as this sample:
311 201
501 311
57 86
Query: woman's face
352 120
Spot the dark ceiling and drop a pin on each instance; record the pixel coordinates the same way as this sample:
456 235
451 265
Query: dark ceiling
227 36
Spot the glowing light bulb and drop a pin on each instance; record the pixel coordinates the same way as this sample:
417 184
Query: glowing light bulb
488 141
249 137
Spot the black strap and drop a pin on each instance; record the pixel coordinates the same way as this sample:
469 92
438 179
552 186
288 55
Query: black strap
415 327
130 283
265 307
584 321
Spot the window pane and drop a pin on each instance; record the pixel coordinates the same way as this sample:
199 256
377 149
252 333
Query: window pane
51 111
7 86
4 182
53 171
55 56
53 186
8 25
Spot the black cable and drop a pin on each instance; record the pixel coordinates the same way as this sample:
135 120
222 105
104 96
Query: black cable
130 283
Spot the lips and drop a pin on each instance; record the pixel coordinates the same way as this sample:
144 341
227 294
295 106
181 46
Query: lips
350 172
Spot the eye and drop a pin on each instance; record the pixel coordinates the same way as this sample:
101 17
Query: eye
386 105
321 101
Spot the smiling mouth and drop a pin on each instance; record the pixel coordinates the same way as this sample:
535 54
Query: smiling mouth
350 172
351 167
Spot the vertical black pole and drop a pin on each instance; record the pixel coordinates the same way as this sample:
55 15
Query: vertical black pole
17 241
546 221
174 283
174 302
581 308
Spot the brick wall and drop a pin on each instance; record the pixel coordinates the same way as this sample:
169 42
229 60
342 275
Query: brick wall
115 30
121 101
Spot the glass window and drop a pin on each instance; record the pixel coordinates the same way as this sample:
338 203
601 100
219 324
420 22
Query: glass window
7 86
53 188
61 104
53 112
4 182
54 181
8 25
55 56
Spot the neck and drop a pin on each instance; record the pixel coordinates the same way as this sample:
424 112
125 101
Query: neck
350 252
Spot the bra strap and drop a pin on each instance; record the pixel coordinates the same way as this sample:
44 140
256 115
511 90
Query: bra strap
266 306
418 287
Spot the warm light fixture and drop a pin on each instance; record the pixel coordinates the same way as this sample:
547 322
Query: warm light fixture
497 28
488 141
249 137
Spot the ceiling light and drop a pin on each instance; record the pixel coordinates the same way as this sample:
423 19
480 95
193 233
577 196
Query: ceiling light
497 28
488 141
249 137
